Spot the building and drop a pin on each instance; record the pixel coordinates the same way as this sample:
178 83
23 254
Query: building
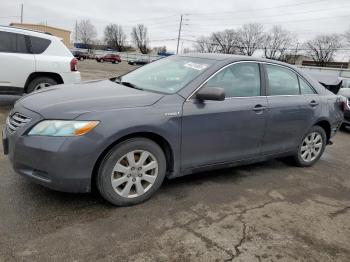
59 32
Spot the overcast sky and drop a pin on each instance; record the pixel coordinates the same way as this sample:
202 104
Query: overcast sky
306 18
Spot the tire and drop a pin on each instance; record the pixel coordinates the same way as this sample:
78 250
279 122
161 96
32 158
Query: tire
315 147
125 191
81 58
40 82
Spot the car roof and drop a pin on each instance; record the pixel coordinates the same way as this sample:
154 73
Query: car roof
27 32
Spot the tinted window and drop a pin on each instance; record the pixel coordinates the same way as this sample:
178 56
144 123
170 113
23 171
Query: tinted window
238 80
12 43
305 89
282 81
38 44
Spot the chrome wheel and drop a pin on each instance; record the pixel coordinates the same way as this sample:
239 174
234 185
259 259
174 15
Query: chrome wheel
311 147
41 86
134 174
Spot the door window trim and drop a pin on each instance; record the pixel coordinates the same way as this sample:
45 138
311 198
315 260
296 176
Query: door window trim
261 75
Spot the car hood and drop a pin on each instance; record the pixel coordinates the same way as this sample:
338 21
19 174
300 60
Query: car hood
70 101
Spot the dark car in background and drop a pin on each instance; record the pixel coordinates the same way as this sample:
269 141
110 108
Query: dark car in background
114 59
139 61
174 117
80 55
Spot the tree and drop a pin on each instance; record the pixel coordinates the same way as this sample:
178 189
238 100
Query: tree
86 32
205 45
226 41
347 36
323 48
139 36
115 37
250 38
276 42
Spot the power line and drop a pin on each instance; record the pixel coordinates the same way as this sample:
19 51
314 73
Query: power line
276 22
259 9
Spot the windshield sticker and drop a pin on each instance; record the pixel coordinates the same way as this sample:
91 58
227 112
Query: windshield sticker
196 66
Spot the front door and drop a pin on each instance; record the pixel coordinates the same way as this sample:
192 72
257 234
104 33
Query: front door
224 131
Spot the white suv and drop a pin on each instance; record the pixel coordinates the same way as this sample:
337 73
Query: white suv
30 60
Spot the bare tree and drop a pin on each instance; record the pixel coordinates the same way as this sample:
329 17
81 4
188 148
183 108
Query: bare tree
347 36
323 48
226 41
86 32
115 37
276 42
205 45
140 38
250 38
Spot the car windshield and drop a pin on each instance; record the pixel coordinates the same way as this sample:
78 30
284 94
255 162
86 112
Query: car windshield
167 75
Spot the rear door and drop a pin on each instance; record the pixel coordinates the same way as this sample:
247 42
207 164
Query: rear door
224 131
293 106
16 62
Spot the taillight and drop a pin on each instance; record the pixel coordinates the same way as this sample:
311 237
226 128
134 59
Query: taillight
73 64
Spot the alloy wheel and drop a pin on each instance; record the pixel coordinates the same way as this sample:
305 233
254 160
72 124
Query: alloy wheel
41 86
134 173
311 147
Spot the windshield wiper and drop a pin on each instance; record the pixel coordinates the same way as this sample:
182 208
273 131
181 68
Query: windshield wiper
128 84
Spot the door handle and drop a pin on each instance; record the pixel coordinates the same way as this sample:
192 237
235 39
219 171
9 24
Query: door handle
259 108
313 103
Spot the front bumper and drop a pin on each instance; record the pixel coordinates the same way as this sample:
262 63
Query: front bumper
60 163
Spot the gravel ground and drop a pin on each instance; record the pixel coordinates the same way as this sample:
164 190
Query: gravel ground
263 212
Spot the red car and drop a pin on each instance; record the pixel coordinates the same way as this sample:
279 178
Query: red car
109 58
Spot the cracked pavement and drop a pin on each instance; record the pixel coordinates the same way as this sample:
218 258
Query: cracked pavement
270 211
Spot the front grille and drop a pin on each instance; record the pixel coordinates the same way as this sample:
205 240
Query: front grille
16 120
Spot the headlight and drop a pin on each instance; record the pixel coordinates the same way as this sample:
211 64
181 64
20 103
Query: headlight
62 128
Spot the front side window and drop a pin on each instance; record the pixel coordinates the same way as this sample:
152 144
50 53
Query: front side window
282 81
238 80
167 75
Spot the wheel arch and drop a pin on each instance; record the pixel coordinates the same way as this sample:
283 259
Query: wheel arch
156 138
34 75
326 127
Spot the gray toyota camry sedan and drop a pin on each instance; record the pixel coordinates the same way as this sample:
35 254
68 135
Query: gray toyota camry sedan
173 117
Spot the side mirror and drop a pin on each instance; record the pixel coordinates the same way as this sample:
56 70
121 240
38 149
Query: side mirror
211 93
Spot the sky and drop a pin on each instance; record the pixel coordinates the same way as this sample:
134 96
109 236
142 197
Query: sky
305 18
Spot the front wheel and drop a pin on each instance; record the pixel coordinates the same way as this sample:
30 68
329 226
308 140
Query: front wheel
131 172
311 147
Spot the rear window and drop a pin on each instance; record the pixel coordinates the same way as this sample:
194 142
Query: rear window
13 43
39 45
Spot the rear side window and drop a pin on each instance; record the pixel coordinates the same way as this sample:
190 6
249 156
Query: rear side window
13 43
305 89
39 45
282 81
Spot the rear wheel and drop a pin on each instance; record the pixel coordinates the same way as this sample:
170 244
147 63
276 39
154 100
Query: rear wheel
311 147
131 172
39 83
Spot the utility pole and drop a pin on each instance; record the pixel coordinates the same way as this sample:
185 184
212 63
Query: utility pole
296 51
76 31
21 13
178 37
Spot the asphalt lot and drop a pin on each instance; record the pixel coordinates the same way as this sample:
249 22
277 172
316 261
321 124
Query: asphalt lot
270 211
